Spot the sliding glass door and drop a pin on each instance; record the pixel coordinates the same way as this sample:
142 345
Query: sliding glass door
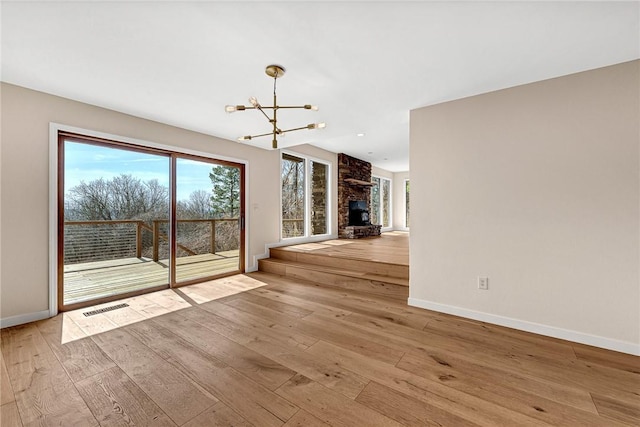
208 207
133 219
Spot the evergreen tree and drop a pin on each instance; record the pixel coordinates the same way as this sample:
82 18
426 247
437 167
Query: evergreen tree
225 199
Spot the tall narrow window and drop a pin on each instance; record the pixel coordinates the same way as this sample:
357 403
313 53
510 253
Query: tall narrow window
305 197
386 203
375 214
319 199
293 196
406 203
381 201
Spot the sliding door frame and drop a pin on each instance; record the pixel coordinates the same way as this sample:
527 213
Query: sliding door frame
57 135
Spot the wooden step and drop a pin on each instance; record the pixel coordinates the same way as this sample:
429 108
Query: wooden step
387 286
341 262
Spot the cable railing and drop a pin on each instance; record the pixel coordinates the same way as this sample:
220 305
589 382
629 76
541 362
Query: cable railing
89 241
292 227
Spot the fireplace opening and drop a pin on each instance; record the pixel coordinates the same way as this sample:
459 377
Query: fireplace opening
358 213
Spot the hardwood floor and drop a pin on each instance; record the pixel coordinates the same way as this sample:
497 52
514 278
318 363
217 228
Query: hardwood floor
267 350
378 265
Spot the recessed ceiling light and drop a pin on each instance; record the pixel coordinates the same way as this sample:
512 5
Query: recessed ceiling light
370 152
360 134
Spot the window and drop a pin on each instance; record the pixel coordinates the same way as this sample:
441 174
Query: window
293 196
406 203
319 180
381 201
375 201
305 196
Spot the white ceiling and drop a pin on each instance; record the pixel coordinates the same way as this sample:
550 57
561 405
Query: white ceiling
366 64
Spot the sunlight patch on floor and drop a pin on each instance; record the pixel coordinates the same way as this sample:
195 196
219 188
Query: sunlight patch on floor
220 288
75 325
338 242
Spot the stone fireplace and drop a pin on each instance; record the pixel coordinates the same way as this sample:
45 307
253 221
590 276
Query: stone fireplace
354 198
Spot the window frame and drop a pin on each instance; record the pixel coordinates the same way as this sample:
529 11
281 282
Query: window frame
307 236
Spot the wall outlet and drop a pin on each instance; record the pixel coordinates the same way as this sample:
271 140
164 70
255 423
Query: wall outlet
483 283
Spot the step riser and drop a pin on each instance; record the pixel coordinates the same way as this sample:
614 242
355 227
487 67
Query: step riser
380 288
373 267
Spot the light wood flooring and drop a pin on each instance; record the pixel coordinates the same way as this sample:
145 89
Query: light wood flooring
94 280
377 265
390 248
265 350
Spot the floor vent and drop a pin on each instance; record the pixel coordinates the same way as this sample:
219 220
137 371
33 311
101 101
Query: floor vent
104 310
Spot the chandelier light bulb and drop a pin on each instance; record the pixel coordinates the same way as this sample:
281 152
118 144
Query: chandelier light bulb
254 101
232 108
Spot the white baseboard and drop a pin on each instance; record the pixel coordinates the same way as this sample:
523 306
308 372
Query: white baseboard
253 268
536 328
24 318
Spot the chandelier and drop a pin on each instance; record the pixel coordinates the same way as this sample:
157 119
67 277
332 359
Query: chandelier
275 71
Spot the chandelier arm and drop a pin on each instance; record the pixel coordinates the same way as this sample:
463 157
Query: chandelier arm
293 129
277 107
259 108
262 134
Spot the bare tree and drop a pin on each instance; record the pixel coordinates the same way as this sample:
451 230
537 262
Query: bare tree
198 206
293 196
123 197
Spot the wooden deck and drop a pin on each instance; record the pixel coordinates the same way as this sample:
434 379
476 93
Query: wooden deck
264 350
93 280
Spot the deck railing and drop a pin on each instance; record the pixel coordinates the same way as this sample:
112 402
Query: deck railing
292 227
86 241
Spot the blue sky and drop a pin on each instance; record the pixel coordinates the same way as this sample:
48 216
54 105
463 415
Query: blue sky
86 162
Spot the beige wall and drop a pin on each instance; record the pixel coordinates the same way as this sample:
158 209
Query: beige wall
536 187
24 179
